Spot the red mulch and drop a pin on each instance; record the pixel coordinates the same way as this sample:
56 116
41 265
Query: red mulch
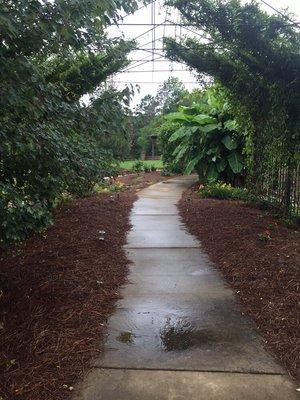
56 292
264 275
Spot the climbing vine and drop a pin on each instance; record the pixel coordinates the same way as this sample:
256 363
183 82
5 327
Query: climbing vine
256 58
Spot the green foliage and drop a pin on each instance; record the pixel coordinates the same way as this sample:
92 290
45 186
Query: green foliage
207 140
223 191
166 128
148 114
264 237
110 186
144 138
256 58
138 166
51 54
156 164
18 211
169 94
109 117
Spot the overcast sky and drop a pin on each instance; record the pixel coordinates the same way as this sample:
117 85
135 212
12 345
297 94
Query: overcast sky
148 74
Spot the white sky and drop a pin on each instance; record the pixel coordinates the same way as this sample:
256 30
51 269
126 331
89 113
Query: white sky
148 74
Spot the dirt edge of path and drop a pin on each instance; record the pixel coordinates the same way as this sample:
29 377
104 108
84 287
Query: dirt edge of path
264 275
57 291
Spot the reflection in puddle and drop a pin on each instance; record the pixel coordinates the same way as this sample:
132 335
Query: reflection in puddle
180 335
126 337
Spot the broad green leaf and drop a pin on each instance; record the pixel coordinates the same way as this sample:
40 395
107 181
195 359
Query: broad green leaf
213 150
178 116
182 132
231 125
235 162
191 165
182 149
176 150
213 101
193 129
229 143
186 110
213 173
209 128
221 165
204 119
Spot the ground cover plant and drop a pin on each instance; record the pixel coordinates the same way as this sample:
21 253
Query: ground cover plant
129 164
221 190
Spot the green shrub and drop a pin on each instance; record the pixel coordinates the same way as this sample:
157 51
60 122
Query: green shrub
220 190
21 215
51 142
147 168
153 168
138 166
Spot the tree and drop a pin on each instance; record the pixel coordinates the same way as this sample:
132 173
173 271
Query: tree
109 116
151 108
169 94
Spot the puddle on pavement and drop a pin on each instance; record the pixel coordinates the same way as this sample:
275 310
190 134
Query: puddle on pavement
173 339
181 335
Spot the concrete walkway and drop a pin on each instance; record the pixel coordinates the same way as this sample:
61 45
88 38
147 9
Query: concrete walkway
177 333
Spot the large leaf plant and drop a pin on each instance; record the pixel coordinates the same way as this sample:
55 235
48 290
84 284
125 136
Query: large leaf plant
207 140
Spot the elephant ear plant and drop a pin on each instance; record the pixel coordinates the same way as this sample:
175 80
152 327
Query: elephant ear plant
208 141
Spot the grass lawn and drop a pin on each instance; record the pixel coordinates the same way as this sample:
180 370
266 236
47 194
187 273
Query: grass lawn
129 163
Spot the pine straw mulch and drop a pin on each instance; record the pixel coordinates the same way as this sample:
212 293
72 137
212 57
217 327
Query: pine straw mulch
264 275
56 292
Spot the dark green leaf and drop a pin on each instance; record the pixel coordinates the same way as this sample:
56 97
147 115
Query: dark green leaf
229 143
235 162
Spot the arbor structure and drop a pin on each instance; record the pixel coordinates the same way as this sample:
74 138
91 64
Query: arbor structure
256 58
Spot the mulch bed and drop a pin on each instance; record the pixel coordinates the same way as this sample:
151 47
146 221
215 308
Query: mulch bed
264 275
57 291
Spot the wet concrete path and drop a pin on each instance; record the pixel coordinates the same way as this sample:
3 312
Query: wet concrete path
177 333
